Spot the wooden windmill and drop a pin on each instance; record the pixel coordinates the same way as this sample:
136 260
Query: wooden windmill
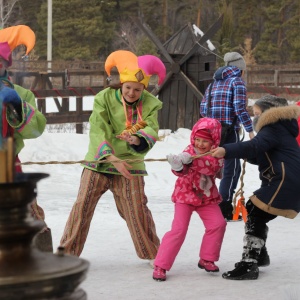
190 66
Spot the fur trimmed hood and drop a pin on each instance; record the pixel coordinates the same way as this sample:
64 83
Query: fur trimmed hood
276 114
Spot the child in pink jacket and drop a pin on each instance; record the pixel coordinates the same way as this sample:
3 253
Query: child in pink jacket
195 190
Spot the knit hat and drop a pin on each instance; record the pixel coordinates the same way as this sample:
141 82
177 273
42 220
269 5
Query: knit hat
135 68
235 59
269 101
204 134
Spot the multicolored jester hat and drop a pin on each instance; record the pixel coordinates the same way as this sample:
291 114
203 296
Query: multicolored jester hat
10 38
135 68
14 36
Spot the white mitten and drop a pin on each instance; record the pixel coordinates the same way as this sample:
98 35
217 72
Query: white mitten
185 157
175 162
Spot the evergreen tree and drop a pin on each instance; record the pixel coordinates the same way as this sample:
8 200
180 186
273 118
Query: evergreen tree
278 38
79 29
28 12
291 27
293 33
266 30
224 36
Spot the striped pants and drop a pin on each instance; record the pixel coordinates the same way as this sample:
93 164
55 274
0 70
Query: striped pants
36 211
131 203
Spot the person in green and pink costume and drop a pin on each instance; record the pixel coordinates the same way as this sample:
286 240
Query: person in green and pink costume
20 117
123 126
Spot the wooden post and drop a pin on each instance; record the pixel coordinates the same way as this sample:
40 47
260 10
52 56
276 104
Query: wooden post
276 74
7 161
3 166
79 108
10 160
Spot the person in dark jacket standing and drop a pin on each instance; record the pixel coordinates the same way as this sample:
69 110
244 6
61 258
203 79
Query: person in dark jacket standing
225 100
276 152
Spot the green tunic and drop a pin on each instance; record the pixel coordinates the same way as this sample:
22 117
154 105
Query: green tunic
33 121
108 120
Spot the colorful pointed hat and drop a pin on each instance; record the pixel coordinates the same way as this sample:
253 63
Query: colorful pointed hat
14 36
5 52
135 68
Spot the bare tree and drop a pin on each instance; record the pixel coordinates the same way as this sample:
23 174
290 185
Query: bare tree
128 35
6 9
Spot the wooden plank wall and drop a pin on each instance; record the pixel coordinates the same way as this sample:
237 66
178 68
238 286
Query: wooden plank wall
180 106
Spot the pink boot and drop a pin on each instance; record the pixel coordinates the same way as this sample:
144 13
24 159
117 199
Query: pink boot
209 266
159 274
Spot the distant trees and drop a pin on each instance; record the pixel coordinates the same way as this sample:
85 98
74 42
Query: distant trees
279 39
80 29
6 11
265 31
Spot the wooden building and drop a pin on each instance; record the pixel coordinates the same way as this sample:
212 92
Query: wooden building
189 71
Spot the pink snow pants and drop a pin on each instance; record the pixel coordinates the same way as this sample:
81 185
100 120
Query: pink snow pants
172 241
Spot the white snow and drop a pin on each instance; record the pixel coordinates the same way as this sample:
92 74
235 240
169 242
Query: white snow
115 270
198 31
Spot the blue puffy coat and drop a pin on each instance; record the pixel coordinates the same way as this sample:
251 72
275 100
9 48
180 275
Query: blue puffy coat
277 154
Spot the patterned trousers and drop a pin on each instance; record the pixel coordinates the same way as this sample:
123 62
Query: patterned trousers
36 211
131 203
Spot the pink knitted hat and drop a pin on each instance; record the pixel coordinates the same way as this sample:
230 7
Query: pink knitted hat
204 134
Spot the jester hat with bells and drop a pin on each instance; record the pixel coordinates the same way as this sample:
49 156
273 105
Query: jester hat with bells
135 68
14 36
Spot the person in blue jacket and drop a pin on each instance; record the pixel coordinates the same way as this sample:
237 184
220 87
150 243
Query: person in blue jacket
225 99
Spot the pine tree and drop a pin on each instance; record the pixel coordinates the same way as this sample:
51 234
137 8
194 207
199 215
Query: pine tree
79 29
267 30
279 40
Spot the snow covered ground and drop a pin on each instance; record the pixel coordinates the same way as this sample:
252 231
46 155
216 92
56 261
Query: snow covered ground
117 273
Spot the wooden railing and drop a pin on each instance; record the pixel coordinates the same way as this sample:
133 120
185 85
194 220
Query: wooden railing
284 82
79 83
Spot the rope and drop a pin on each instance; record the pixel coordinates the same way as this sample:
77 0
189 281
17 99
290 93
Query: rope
267 90
90 89
53 162
57 92
75 91
240 191
209 50
36 94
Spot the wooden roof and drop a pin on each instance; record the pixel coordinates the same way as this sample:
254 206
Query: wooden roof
182 41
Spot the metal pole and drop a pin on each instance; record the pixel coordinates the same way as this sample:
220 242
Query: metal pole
49 36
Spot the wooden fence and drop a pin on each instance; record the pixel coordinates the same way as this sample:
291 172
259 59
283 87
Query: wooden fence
65 86
284 82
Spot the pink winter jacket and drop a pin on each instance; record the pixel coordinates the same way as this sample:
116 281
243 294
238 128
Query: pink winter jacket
196 182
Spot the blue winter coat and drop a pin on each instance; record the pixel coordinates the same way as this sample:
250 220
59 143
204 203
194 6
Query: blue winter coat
277 154
228 98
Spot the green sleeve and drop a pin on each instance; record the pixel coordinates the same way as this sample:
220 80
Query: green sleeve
101 131
33 121
150 132
108 120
